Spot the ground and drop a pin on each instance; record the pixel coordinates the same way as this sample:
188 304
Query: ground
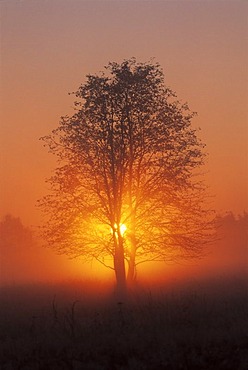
188 328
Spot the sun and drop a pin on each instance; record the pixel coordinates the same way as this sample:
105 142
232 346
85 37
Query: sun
122 228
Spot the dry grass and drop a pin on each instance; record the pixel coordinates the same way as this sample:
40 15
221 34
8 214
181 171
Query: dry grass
191 328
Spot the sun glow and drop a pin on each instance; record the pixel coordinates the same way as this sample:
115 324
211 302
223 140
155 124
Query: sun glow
122 228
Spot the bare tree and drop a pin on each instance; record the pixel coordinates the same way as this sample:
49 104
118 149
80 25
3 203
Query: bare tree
126 189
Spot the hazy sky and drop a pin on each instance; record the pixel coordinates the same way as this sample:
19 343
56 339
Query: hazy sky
47 47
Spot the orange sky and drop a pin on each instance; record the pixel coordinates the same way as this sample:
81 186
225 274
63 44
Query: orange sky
47 47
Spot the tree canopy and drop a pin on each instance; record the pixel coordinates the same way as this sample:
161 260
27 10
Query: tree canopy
126 188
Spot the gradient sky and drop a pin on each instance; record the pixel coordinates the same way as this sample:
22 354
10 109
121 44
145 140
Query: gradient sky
47 48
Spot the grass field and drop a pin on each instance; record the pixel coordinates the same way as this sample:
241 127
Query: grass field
56 327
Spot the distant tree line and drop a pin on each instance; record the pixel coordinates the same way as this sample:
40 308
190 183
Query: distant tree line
19 250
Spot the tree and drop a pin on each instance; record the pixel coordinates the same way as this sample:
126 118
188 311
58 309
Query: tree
126 189
16 242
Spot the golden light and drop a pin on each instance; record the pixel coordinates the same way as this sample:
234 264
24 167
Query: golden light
122 227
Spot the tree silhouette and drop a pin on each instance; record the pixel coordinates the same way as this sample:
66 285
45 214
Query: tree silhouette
16 242
232 247
126 189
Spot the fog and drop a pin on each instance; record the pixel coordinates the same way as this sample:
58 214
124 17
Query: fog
26 260
57 313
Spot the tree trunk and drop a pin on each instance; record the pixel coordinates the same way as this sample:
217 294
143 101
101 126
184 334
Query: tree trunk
120 273
131 271
131 265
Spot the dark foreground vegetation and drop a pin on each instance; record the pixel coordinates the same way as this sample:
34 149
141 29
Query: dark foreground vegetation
184 328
